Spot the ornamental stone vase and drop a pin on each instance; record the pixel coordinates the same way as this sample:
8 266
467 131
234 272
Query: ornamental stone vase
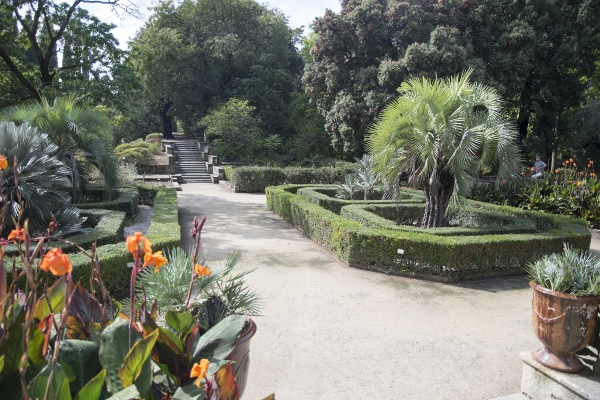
565 324
241 355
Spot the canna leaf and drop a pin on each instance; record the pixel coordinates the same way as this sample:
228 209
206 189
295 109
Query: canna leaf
128 393
113 349
59 386
86 315
93 389
52 302
83 359
218 341
226 382
190 392
182 322
136 358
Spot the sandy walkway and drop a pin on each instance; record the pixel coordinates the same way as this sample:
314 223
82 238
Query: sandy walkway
332 332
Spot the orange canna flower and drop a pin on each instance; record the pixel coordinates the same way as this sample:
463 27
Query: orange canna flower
17 234
133 243
57 263
3 162
579 183
570 159
593 174
556 171
199 371
574 164
201 270
581 172
157 259
533 168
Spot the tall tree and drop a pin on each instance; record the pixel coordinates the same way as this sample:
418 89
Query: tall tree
197 54
35 32
362 54
443 133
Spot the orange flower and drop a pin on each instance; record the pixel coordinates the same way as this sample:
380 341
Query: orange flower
592 162
201 270
593 174
17 234
533 168
133 244
556 171
570 159
199 370
581 172
3 162
157 259
574 164
57 263
579 183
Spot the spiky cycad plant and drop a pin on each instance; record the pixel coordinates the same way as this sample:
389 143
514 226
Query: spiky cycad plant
41 189
443 133
77 131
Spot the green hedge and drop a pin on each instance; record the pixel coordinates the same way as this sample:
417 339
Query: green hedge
422 254
127 200
164 232
402 216
325 197
256 179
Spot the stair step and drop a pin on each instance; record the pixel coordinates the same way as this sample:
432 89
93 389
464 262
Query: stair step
190 159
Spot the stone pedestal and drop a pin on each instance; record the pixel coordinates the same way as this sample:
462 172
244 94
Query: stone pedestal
542 383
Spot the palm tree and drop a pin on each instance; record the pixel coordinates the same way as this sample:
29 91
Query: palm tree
443 133
40 191
79 132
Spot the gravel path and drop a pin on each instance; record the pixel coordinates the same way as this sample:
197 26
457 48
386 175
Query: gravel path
140 222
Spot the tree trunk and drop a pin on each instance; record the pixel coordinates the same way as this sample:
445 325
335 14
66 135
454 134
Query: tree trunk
167 120
436 203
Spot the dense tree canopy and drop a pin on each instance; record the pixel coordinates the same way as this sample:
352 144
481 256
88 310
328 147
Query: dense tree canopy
199 53
59 45
534 52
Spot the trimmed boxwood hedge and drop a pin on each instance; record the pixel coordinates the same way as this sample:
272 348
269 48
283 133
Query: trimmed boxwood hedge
164 232
127 200
425 255
256 179
325 197
386 215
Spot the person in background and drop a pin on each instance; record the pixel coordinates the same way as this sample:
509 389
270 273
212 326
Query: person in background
538 168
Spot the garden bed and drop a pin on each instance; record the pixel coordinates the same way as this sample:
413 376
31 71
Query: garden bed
423 254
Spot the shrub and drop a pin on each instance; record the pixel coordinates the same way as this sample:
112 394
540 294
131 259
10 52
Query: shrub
256 179
154 138
421 252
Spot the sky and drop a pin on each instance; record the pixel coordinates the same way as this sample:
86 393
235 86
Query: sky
299 12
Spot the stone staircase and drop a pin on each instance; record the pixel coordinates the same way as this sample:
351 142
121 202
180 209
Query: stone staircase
192 165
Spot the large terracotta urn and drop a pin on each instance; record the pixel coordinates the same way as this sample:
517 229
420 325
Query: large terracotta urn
241 355
565 324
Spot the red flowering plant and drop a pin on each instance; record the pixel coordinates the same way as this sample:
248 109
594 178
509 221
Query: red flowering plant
61 341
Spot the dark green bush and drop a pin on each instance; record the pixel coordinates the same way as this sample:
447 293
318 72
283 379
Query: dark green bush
127 200
256 179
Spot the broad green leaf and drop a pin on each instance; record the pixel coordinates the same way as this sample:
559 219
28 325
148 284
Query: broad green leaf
128 393
36 346
168 348
136 358
220 339
1 363
190 392
52 302
182 322
93 389
59 387
113 349
11 348
82 357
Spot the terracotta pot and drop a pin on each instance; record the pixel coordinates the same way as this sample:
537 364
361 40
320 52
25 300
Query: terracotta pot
564 324
241 355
